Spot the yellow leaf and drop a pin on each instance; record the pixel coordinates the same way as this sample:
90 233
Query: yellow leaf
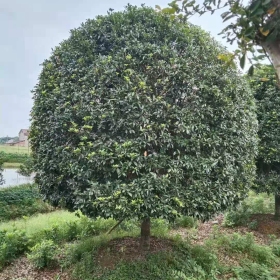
271 11
145 154
264 79
264 33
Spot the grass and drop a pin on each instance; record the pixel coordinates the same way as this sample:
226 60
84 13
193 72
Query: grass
80 248
14 149
39 222
11 165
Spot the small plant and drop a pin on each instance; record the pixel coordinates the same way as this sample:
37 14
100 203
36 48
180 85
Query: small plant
253 225
253 271
239 217
43 254
185 222
275 245
12 244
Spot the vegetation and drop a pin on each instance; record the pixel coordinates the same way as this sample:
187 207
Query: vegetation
268 161
3 140
13 157
27 168
1 170
19 201
254 26
14 149
11 165
78 247
253 204
153 130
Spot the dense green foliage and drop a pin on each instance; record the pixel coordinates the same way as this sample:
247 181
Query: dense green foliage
26 169
267 95
43 254
1 172
13 157
142 122
23 200
253 25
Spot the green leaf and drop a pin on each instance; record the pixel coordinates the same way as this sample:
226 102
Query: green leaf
251 70
242 61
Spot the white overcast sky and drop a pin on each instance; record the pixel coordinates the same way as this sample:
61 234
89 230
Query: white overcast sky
30 28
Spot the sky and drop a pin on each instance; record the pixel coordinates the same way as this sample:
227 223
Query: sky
30 29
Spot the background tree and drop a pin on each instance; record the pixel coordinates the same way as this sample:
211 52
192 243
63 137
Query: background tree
267 95
1 173
26 169
135 116
255 27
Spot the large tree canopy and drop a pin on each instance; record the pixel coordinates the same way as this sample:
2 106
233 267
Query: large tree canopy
135 116
254 25
267 95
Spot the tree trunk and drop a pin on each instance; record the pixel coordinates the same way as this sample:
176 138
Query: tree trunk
273 50
145 235
277 206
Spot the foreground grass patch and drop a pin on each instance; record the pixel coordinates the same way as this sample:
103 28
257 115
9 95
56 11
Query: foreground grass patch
34 224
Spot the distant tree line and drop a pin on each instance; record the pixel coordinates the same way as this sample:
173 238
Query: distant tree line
3 140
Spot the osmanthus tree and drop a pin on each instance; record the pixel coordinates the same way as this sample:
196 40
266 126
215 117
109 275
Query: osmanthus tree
134 116
254 25
267 96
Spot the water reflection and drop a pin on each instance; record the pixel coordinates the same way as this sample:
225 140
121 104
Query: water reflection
12 178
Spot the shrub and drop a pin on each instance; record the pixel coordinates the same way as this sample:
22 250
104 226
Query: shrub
238 217
13 157
19 201
12 244
185 222
167 126
43 254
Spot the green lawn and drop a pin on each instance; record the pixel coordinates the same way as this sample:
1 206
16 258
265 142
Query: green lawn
14 149
39 222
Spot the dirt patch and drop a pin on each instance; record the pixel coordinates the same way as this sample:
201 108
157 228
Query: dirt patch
266 224
127 249
21 269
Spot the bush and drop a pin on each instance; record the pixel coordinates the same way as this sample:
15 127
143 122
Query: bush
239 217
169 128
254 204
19 201
43 254
12 244
14 157
185 222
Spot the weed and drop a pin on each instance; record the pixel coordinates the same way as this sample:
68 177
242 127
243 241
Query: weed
43 254
253 271
185 222
12 244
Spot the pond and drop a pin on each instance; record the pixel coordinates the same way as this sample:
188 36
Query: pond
12 178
